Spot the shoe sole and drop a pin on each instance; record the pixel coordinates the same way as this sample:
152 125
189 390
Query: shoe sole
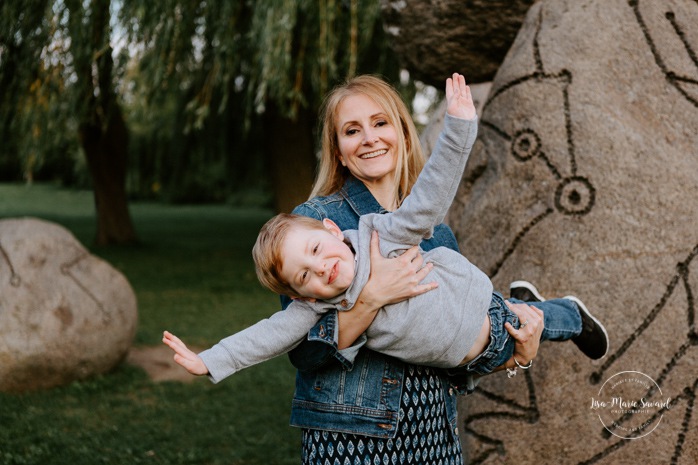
526 285
586 311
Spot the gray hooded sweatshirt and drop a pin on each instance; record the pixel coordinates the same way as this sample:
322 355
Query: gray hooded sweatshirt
436 328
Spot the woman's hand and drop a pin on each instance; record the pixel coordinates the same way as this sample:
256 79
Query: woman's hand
528 335
392 280
396 279
183 356
458 98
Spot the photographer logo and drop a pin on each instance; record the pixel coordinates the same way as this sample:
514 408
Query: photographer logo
630 405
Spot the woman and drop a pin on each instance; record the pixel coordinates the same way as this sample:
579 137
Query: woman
376 408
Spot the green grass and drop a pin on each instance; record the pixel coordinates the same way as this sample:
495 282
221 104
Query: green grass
193 275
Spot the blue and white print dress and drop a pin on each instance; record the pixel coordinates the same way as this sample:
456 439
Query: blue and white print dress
423 435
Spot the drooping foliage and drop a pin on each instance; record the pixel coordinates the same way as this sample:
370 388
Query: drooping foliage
23 33
226 75
218 99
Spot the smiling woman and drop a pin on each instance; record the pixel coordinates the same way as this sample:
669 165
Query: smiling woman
354 394
338 406
385 112
368 145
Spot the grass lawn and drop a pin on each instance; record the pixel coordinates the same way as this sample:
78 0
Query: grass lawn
193 275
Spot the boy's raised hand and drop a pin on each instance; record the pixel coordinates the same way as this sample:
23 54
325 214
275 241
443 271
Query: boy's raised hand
458 98
185 357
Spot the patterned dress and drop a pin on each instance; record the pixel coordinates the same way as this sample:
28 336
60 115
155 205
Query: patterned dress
423 435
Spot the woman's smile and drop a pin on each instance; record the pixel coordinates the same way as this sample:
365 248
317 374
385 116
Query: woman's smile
373 154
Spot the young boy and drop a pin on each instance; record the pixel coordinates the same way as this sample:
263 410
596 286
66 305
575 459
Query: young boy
460 325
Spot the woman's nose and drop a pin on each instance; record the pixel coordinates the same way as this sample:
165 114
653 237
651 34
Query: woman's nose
370 138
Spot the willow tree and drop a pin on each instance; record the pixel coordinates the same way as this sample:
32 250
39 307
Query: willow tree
21 40
273 60
101 129
58 55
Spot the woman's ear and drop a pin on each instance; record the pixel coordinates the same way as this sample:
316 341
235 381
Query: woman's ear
332 227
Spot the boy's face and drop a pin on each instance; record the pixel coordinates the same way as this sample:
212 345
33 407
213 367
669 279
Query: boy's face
316 262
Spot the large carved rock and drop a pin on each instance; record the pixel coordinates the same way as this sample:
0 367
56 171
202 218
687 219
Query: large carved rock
64 313
435 39
584 180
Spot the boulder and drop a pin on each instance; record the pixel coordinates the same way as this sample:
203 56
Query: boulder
435 39
584 181
64 314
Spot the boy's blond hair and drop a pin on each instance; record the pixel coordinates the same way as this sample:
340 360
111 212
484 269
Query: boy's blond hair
266 252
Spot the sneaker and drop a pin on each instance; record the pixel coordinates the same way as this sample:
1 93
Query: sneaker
525 291
593 341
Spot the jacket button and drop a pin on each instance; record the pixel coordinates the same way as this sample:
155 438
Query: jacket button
344 303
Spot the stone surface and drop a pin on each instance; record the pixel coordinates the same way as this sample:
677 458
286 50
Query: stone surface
584 181
436 38
64 314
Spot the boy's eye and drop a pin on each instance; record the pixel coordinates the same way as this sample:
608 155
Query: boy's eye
305 275
315 249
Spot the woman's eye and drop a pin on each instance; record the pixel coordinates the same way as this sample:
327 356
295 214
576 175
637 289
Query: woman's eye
351 132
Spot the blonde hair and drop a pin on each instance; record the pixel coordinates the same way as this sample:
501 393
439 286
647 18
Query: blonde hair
332 175
266 252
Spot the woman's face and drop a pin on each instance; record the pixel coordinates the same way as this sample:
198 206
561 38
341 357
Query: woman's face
367 141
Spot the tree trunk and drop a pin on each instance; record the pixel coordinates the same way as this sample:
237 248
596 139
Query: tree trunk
106 151
290 149
103 133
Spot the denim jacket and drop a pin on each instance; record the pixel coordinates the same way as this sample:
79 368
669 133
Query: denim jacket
362 397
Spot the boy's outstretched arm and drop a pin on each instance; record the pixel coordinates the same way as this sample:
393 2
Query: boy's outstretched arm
433 192
183 356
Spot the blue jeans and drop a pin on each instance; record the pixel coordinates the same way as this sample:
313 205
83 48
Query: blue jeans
562 322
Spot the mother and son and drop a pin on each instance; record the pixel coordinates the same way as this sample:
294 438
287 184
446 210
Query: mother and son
384 307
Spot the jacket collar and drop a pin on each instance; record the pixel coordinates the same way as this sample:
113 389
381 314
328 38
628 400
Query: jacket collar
359 197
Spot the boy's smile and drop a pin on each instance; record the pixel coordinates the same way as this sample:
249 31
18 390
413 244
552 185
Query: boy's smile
317 263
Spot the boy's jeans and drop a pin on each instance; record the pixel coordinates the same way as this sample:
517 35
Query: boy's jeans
562 322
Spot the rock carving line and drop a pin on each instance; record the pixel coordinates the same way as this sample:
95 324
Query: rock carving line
689 393
531 413
673 78
65 269
15 280
574 195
